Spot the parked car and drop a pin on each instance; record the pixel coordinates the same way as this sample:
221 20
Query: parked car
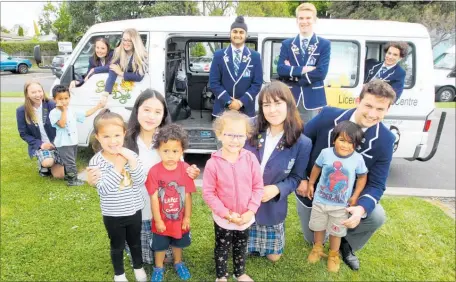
57 63
13 64
200 64
445 76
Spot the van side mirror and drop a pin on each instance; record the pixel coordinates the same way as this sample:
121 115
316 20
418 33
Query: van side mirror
37 54
67 76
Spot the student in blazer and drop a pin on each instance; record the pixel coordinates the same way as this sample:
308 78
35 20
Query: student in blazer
236 74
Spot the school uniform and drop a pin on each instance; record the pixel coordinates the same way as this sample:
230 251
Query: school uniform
285 168
394 76
243 84
377 151
97 67
308 89
128 75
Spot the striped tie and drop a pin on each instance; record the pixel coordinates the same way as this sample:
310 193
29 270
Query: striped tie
382 71
237 61
304 45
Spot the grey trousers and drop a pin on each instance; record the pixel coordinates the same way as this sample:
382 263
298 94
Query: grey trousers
68 155
356 237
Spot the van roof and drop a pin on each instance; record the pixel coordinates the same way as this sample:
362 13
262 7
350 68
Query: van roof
200 24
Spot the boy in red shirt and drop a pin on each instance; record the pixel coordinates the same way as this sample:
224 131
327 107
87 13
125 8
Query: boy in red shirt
170 189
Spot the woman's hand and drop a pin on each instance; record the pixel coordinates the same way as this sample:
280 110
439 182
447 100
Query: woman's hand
93 175
270 191
47 146
193 171
116 68
73 84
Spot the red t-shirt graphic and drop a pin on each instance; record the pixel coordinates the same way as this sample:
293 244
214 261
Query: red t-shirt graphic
171 186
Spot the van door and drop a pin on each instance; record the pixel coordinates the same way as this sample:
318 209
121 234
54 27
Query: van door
343 82
88 94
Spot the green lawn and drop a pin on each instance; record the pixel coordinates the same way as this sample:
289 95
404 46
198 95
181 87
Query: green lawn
52 232
12 94
446 105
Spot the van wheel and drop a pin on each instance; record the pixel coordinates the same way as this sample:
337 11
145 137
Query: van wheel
445 94
22 69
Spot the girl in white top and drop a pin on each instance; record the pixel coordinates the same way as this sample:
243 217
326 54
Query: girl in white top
149 113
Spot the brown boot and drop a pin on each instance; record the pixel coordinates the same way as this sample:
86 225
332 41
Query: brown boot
316 254
333 261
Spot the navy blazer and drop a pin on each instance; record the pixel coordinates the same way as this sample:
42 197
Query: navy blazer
225 84
30 133
284 168
376 149
128 75
97 67
310 86
395 76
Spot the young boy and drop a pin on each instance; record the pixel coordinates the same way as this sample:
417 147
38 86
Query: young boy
170 189
340 166
65 120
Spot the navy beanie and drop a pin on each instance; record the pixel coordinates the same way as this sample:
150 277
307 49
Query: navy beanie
239 23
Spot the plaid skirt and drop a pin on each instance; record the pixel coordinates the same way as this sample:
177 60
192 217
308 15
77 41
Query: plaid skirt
266 240
41 155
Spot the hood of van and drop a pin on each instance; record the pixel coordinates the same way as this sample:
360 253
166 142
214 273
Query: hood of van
441 77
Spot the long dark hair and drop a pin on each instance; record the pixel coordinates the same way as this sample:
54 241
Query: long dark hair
134 128
96 59
292 125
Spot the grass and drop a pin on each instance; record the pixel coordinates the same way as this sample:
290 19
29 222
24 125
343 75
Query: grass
51 232
446 105
12 94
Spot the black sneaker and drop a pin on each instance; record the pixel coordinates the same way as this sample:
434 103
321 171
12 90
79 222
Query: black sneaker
75 182
45 173
348 256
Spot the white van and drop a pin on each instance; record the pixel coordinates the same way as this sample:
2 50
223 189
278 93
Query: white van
170 40
445 76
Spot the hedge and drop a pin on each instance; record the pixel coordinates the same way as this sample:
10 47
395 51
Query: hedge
14 47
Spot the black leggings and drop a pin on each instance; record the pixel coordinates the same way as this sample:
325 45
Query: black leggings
120 229
223 240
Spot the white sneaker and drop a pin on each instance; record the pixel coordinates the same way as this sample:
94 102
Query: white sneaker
140 275
120 278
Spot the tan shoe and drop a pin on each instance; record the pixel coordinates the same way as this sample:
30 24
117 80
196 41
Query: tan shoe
243 278
333 261
316 253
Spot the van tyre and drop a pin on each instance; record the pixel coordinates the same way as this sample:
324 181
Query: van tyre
446 94
22 69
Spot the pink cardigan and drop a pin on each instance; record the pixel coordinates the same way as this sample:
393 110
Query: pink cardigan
236 187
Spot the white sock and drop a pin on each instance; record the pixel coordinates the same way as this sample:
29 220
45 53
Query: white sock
120 278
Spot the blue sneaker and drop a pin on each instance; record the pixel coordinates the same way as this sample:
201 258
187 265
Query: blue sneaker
157 274
182 271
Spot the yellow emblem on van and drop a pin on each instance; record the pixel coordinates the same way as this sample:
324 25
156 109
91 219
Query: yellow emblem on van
120 92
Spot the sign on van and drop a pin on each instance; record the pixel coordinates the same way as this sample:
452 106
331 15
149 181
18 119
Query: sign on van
65 47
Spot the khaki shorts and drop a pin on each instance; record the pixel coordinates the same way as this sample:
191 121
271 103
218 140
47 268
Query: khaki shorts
329 218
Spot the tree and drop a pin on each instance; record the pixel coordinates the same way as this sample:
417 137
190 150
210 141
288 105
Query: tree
47 17
5 30
36 28
437 17
61 26
217 8
321 6
198 50
264 9
20 31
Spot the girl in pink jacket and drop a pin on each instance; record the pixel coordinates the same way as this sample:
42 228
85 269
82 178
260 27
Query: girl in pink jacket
232 188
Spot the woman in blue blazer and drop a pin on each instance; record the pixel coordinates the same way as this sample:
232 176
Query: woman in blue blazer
98 63
283 152
35 128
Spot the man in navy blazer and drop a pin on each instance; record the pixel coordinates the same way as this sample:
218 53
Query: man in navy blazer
389 70
376 148
303 63
236 74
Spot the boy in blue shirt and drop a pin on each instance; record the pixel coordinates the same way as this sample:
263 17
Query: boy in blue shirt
339 166
65 120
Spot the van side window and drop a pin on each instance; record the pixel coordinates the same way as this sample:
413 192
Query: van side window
201 54
374 52
82 61
343 68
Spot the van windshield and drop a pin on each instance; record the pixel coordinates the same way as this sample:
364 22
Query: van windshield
445 61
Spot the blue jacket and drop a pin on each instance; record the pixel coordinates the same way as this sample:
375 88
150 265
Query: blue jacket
129 75
30 133
377 151
97 67
395 76
308 87
225 84
285 168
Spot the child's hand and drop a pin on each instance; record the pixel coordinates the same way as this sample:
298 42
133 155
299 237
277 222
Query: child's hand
246 217
310 191
102 103
186 224
352 201
160 225
120 160
127 154
235 217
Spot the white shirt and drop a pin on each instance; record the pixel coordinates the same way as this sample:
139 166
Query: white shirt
352 119
149 157
39 116
233 49
269 146
301 38
383 66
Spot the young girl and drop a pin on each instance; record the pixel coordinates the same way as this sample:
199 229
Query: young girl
232 188
129 60
339 166
35 128
65 120
148 115
170 191
119 188
98 63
